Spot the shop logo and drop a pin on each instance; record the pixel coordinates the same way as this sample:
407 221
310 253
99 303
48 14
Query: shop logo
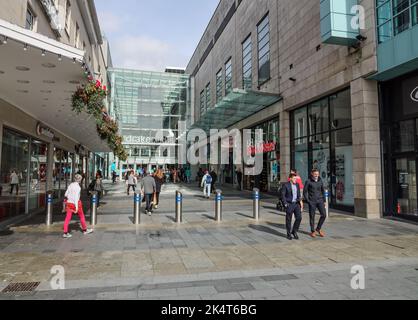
414 94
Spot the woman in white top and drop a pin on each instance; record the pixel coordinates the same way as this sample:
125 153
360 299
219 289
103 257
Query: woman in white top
14 182
74 205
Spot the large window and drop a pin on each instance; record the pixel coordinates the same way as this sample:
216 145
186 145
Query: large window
228 77
247 66
219 86
263 50
38 174
322 139
202 103
395 16
208 97
30 19
13 174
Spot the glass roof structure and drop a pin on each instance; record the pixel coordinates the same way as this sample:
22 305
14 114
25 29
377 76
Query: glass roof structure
149 102
236 106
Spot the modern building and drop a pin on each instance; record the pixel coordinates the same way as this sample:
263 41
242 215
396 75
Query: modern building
150 106
306 72
47 49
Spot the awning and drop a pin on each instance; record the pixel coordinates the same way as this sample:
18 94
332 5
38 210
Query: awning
235 107
39 75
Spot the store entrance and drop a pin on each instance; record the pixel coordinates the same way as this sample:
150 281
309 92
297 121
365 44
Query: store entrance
405 175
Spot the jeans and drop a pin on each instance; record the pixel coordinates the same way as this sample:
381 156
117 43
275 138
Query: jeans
148 201
207 190
312 212
293 209
12 186
131 186
70 210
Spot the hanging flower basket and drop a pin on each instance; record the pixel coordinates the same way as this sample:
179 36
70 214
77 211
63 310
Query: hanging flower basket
90 99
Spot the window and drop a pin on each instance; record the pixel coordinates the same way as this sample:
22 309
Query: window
77 35
67 16
202 103
395 17
263 50
30 19
322 139
208 97
219 86
247 65
228 77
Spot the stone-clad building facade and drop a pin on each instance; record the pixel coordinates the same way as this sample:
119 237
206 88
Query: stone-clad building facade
327 112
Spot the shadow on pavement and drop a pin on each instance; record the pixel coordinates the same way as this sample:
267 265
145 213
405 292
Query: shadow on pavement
268 230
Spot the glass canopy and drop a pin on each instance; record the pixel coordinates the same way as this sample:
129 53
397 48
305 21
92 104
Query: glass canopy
236 106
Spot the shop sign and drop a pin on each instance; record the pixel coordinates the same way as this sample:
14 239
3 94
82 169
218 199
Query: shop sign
414 95
264 148
42 130
148 140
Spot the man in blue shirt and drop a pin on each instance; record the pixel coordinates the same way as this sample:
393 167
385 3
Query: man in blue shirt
292 200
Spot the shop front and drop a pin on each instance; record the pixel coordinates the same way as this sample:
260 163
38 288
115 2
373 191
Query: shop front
269 180
322 139
399 115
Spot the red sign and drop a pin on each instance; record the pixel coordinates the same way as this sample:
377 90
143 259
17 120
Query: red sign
264 148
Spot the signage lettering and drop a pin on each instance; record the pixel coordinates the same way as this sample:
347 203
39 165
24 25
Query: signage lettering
414 94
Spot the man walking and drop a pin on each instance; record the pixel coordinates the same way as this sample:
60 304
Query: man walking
314 194
148 188
207 184
292 200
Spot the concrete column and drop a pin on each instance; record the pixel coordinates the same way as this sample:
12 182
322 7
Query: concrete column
366 149
50 167
285 156
1 140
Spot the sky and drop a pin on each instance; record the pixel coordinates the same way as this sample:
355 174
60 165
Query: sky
153 34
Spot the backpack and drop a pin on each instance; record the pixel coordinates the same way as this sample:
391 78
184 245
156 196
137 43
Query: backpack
209 179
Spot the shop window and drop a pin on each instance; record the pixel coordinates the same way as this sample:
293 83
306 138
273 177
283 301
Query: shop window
340 105
38 175
263 50
300 123
13 174
247 72
228 77
404 136
319 117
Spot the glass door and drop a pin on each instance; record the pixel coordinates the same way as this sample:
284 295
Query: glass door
406 186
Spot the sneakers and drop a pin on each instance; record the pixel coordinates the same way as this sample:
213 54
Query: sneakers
150 213
88 231
67 236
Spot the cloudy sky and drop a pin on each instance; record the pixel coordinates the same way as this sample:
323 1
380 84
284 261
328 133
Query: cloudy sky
153 34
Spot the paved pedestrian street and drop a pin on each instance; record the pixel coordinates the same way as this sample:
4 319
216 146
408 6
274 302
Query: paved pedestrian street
236 259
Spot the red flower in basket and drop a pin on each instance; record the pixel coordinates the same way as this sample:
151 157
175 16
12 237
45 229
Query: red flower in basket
104 88
98 84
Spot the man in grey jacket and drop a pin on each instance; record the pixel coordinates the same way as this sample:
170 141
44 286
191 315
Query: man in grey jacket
148 188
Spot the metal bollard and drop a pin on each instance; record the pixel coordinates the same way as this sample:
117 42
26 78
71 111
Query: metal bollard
256 204
137 209
179 207
93 209
218 206
327 202
49 207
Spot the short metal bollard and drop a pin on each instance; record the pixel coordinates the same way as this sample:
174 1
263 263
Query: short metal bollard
179 207
256 204
327 202
137 209
49 207
93 209
218 206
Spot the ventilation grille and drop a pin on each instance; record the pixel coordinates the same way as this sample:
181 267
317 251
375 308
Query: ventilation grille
22 287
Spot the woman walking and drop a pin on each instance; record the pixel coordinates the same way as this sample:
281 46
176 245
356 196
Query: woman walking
159 181
132 181
14 182
73 205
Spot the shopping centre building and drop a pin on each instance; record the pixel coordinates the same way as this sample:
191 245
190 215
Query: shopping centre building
150 107
46 50
330 91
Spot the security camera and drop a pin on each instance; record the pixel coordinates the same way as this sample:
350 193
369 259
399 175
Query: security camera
361 38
